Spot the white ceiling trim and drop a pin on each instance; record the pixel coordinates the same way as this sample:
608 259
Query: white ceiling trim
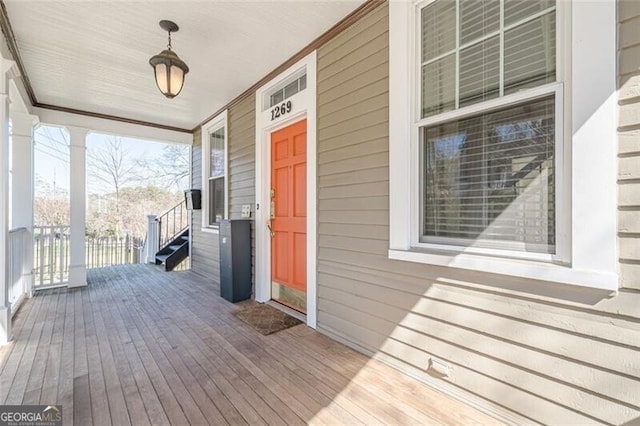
93 55
111 127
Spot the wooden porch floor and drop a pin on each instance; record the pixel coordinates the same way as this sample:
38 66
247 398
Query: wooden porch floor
141 346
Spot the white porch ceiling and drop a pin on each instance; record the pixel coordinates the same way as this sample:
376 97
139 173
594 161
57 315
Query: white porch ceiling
93 55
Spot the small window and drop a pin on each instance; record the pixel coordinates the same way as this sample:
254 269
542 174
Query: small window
288 90
214 157
217 176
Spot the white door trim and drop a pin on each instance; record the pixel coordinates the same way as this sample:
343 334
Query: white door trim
303 105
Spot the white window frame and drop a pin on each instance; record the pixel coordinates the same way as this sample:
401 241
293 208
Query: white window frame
556 89
208 128
585 168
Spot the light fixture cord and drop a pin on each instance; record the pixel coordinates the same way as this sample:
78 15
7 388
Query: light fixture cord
169 45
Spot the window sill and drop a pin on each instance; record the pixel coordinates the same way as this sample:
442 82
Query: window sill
513 267
215 230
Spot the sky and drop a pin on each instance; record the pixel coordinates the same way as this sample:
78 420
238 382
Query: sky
51 154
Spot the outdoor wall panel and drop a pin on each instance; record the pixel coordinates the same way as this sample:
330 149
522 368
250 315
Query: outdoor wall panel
205 258
242 164
241 175
628 9
629 143
548 352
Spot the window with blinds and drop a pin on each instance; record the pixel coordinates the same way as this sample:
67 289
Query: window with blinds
217 176
488 177
476 50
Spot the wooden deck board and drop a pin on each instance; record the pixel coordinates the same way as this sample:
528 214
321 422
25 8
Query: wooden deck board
227 369
134 361
187 407
111 373
252 373
362 410
42 351
19 387
81 407
142 346
12 353
221 328
133 397
54 358
65 382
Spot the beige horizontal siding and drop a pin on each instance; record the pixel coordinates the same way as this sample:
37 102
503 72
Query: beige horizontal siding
628 195
628 10
559 381
553 354
629 143
629 32
242 164
629 89
241 175
205 258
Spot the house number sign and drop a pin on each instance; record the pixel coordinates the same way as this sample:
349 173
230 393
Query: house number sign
280 110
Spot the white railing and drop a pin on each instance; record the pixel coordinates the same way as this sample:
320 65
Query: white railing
112 250
51 259
51 255
19 264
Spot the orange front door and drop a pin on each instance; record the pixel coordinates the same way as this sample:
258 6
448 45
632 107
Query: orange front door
289 215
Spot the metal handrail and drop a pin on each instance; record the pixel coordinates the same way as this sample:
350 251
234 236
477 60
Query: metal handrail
172 223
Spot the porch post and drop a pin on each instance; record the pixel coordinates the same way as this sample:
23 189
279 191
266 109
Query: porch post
5 305
78 195
152 244
22 126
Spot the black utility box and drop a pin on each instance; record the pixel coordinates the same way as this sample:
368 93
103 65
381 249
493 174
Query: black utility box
235 259
193 199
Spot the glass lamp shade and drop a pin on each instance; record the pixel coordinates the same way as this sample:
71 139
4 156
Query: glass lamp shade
169 72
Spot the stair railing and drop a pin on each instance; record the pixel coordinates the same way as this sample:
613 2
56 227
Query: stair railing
172 223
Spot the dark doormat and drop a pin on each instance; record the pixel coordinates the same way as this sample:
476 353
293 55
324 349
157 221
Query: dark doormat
266 319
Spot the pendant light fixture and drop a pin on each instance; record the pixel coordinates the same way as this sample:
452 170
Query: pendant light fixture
168 68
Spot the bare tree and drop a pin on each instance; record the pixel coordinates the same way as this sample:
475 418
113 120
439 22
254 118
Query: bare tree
171 168
112 165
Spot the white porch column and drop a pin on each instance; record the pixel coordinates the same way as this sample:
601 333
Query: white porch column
5 306
78 201
22 126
